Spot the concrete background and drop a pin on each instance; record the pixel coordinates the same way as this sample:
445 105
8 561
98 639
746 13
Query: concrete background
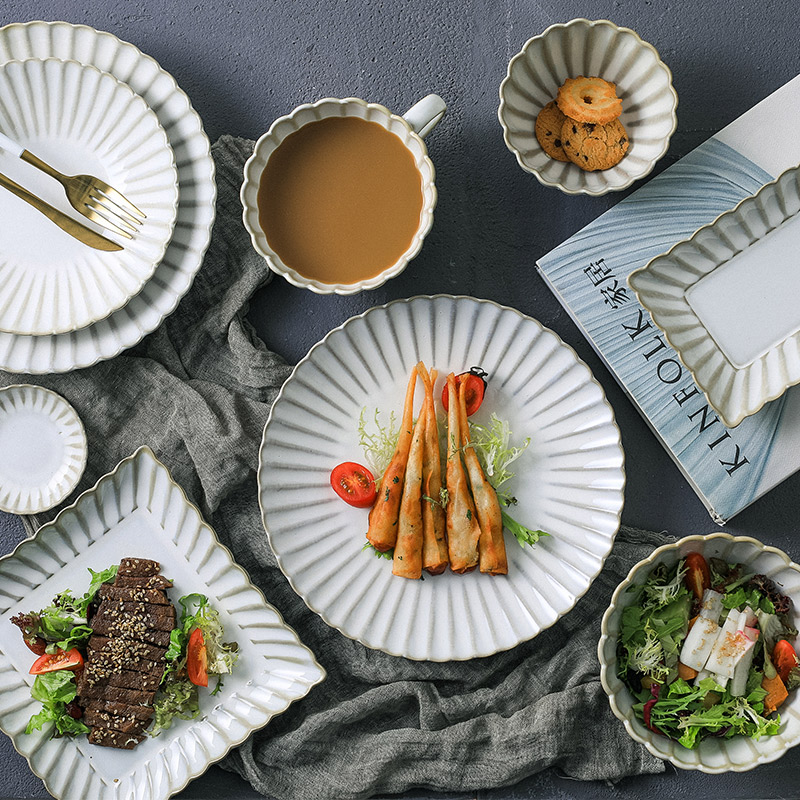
245 63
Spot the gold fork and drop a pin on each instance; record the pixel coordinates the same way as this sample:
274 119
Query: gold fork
88 195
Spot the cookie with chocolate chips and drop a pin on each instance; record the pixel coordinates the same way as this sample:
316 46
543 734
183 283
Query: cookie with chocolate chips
548 131
592 146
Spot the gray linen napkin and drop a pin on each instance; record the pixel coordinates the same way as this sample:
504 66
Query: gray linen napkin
198 392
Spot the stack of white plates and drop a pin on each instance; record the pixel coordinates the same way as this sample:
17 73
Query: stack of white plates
88 103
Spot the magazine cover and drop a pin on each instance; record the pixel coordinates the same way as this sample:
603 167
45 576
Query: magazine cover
729 468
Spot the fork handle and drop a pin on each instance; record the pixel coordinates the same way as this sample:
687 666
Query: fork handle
11 146
37 162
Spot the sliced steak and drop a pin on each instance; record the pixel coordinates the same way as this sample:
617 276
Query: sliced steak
126 723
117 694
138 567
110 738
158 618
146 582
137 594
130 628
124 678
143 713
125 649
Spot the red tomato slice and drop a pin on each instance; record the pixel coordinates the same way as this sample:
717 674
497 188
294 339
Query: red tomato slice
50 662
197 658
476 387
354 484
784 658
698 575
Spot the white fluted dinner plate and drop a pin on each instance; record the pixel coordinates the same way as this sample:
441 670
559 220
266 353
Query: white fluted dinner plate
81 121
138 510
196 201
569 482
43 449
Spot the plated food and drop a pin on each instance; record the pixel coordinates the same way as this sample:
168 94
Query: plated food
569 55
743 595
538 388
140 503
581 125
115 664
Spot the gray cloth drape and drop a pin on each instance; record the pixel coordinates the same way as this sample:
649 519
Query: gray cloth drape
198 392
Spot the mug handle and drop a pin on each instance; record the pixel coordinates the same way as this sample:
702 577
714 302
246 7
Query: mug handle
425 114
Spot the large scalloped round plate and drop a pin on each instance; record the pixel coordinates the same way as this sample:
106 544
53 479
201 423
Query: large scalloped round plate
83 121
196 197
713 755
569 482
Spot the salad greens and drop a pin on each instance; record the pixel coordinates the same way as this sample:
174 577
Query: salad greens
64 623
55 691
177 695
653 628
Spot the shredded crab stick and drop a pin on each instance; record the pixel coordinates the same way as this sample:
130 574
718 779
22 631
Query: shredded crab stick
407 562
491 545
434 525
463 530
382 533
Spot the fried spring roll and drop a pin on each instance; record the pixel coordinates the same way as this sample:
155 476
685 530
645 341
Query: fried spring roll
491 545
463 530
434 524
407 562
382 533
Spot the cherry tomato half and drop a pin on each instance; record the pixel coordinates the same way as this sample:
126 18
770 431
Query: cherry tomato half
354 484
784 658
50 662
476 386
698 575
197 658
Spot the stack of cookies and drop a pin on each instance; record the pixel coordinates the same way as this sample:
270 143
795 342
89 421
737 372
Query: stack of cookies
582 124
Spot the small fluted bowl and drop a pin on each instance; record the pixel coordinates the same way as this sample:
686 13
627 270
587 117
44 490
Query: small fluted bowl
713 755
591 48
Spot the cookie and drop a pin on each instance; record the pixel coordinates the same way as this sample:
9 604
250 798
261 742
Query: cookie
593 146
589 100
548 131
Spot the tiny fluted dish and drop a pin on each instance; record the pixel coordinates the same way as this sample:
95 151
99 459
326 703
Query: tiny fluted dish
81 120
591 48
42 449
418 121
726 300
713 755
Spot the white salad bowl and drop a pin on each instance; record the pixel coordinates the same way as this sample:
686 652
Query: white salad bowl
592 48
712 755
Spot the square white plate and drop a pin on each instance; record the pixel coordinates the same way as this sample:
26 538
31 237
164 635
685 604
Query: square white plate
138 510
726 298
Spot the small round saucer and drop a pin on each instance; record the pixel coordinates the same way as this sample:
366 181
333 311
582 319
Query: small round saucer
42 449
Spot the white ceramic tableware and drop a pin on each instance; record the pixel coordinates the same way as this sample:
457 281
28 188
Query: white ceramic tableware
196 202
42 449
713 755
138 510
726 299
84 121
569 482
417 122
591 48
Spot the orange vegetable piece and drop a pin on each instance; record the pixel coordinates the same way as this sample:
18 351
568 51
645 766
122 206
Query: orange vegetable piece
776 693
687 673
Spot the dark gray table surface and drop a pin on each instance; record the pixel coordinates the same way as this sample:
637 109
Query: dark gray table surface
245 62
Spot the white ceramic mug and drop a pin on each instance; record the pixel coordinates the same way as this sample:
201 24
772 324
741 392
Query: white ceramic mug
416 123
